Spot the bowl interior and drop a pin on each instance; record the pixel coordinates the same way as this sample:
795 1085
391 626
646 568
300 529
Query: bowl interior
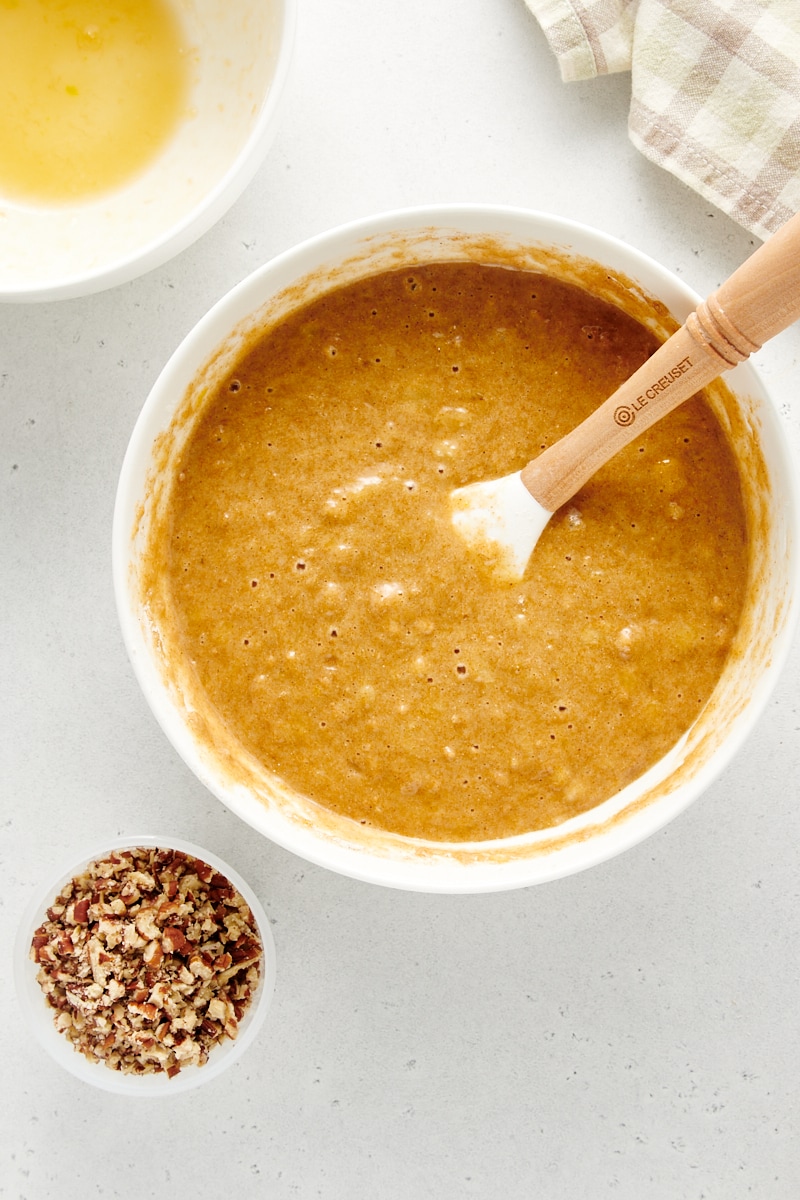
238 57
39 1015
532 241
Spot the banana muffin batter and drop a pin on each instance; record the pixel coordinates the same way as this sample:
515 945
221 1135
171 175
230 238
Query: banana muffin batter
340 626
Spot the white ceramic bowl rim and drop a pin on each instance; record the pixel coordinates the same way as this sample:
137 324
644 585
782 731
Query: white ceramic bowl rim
201 217
428 867
39 1016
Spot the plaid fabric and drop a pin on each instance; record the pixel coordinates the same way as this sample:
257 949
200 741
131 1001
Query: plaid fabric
715 90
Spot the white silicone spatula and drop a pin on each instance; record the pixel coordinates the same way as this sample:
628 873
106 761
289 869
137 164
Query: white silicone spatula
504 518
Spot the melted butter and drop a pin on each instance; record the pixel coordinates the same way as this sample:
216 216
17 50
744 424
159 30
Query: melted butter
90 92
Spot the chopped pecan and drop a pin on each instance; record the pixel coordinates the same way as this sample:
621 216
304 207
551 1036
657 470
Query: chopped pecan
149 958
174 941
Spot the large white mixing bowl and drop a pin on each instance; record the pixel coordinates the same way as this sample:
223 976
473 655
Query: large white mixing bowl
535 241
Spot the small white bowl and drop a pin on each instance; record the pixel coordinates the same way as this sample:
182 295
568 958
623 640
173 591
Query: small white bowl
240 55
402 239
39 1015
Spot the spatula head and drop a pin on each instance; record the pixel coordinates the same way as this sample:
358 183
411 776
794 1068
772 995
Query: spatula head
501 522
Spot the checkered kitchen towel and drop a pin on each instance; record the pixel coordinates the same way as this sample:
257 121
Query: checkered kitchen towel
715 90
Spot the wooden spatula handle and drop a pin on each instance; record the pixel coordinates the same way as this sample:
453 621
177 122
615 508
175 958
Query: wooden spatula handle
759 300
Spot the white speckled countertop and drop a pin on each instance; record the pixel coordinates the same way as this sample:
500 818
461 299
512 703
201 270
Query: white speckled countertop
631 1031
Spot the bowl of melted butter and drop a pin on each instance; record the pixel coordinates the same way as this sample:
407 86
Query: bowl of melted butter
322 649
127 127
